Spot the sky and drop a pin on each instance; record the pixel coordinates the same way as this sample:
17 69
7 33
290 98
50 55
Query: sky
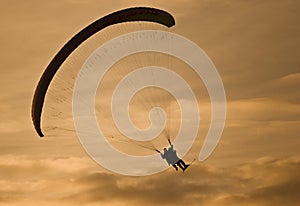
253 44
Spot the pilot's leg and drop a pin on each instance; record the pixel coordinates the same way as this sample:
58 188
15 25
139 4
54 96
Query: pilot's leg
176 168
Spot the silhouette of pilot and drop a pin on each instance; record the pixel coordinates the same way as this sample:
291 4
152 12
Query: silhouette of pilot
172 158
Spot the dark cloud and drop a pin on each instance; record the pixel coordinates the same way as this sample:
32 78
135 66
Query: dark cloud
284 193
262 182
164 189
75 181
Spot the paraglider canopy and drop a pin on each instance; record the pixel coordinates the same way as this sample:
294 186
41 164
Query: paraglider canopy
121 16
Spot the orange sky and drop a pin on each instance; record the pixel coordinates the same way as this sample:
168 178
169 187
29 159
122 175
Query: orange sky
255 46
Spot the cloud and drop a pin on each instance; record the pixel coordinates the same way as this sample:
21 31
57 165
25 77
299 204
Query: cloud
39 180
260 182
285 88
77 181
263 109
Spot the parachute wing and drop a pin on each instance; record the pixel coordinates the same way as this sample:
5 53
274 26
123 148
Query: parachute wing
121 16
